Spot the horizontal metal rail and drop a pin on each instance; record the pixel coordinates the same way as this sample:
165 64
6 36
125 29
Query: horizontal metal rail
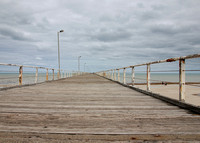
109 73
64 73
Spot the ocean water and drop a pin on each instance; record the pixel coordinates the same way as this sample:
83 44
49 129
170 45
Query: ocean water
160 77
11 79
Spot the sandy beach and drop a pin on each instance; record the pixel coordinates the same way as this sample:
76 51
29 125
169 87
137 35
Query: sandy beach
172 91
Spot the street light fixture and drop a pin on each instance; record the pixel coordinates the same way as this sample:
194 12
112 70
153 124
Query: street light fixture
59 52
79 64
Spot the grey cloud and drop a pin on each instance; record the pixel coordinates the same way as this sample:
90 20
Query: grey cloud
111 36
14 34
116 32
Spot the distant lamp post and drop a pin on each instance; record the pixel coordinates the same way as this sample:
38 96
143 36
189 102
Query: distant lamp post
79 64
59 52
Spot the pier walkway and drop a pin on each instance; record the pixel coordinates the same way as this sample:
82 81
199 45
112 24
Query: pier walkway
90 108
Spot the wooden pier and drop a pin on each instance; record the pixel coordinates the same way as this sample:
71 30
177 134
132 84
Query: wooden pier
90 108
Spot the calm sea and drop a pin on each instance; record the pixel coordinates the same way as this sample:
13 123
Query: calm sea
161 77
11 79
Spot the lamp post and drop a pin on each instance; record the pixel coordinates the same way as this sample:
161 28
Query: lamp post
59 53
79 64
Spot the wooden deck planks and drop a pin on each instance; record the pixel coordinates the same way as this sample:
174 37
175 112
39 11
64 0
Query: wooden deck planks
90 105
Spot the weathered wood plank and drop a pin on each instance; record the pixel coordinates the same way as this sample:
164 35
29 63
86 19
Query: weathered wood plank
90 105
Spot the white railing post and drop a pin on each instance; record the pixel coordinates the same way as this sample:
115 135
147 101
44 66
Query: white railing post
20 74
124 75
47 76
114 74
118 75
53 73
133 76
36 75
148 77
58 74
182 80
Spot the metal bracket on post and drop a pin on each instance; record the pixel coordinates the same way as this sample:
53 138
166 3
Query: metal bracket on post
124 75
133 76
20 74
36 75
148 77
182 80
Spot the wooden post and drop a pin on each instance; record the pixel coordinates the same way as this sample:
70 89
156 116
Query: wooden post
133 76
182 80
124 75
114 74
36 75
118 75
20 74
148 77
53 73
47 76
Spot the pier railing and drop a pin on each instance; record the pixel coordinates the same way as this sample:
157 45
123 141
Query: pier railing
115 75
13 74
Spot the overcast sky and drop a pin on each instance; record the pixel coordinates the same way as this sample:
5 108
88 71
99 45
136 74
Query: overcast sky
106 33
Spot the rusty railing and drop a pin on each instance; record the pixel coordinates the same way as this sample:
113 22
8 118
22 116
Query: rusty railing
46 71
114 74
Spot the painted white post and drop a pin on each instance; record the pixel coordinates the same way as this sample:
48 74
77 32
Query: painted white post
20 74
124 75
118 75
114 74
58 74
133 76
47 76
148 77
53 73
36 75
182 80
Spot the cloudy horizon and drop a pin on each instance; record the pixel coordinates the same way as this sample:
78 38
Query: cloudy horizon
107 33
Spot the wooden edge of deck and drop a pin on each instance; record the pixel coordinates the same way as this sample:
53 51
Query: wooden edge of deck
190 107
102 137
